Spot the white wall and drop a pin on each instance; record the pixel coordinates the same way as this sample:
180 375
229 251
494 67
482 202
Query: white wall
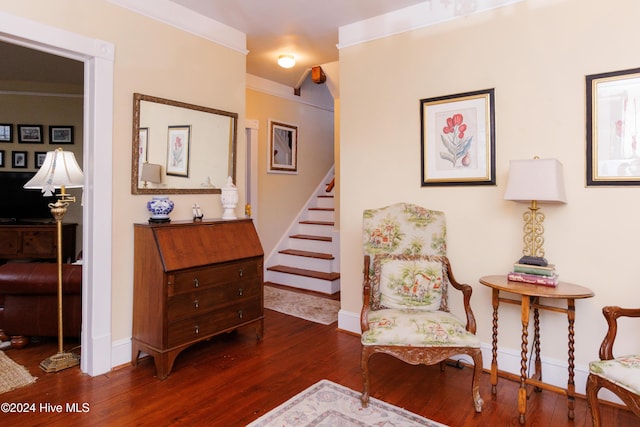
535 54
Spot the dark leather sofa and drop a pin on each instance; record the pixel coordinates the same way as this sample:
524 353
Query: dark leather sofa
29 301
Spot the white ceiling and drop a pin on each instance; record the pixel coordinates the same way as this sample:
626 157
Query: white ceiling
308 29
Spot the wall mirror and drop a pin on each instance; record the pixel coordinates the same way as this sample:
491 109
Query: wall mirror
180 148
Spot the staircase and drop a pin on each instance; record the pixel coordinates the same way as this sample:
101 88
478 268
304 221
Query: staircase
307 257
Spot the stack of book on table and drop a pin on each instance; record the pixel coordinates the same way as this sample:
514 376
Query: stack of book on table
534 274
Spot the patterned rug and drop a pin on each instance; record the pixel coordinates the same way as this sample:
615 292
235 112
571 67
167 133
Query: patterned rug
329 404
12 375
305 306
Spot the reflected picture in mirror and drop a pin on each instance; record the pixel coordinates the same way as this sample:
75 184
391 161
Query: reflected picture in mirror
195 146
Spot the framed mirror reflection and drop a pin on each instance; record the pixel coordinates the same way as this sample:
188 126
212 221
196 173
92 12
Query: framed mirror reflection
168 159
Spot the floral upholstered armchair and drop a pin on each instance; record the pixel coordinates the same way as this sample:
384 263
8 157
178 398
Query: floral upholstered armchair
406 285
621 375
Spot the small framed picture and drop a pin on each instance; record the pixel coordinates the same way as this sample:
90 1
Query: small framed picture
6 132
283 148
19 159
30 134
1 158
40 156
60 134
178 150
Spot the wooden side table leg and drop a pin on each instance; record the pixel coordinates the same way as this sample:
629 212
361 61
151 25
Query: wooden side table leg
536 344
494 343
571 386
522 391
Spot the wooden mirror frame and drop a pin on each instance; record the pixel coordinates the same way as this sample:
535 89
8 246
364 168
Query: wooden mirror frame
135 162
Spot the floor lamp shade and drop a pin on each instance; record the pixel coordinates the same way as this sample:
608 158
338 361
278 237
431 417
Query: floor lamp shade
59 169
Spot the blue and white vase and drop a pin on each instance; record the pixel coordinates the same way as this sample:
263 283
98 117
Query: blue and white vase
160 208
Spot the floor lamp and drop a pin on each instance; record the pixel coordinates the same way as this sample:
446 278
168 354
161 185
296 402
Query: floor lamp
58 171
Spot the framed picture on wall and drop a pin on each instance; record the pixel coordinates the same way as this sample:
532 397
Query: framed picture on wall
458 139
19 159
40 156
1 158
60 134
6 132
613 123
30 134
283 148
178 150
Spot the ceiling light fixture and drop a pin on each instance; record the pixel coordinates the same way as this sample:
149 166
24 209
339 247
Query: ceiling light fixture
286 61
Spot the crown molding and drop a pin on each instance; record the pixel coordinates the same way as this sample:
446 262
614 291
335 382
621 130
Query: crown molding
180 17
421 15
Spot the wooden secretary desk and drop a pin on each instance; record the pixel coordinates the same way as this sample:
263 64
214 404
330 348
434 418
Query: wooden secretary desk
194 280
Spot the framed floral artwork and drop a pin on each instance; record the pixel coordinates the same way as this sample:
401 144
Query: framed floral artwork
458 139
613 113
178 150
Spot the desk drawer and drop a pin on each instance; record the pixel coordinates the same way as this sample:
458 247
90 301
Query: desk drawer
202 278
187 330
195 302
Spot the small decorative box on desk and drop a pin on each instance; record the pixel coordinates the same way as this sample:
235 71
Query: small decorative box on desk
194 280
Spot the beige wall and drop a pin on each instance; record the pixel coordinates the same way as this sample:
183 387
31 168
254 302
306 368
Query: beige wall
535 54
282 196
154 59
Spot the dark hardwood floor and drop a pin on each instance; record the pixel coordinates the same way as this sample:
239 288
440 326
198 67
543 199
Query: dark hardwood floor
232 380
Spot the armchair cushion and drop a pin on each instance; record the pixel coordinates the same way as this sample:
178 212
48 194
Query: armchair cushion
408 282
622 371
417 328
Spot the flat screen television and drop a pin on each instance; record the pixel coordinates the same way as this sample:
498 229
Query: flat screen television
18 204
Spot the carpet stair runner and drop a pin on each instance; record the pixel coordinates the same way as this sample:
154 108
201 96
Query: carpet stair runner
306 258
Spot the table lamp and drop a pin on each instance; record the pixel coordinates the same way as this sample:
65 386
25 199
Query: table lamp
535 180
150 173
58 171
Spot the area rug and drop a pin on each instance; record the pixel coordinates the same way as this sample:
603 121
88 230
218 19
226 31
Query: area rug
305 306
329 404
12 375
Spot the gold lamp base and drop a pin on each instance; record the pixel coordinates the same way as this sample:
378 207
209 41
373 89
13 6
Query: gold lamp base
59 362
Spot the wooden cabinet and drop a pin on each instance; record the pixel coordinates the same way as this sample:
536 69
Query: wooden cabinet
194 280
37 241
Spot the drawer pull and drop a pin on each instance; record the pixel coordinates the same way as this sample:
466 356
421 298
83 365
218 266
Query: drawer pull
197 330
240 291
241 272
196 303
240 314
196 283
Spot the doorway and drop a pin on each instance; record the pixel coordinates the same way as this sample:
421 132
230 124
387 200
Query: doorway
97 57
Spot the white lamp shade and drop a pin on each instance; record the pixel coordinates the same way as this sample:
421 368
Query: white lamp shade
151 172
535 179
59 169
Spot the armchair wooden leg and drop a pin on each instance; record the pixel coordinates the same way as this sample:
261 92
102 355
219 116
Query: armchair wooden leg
475 383
592 399
364 367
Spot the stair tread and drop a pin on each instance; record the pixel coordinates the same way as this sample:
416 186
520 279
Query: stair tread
318 222
311 237
304 272
307 254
